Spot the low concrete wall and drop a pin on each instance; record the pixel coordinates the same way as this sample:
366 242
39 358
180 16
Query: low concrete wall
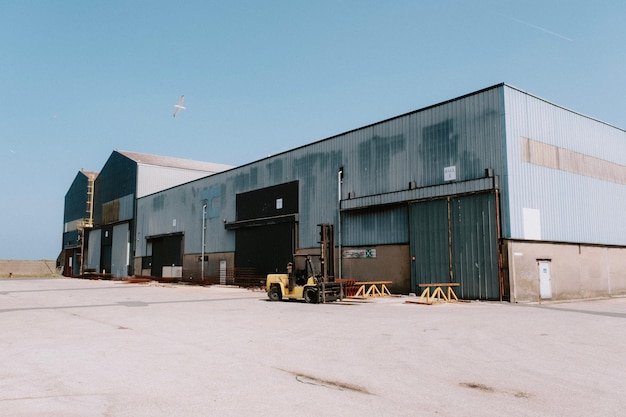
576 271
18 268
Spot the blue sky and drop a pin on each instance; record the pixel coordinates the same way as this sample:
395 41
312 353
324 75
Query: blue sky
80 79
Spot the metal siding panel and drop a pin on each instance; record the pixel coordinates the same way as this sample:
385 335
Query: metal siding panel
93 252
377 159
118 178
151 178
475 246
76 199
573 207
474 124
429 243
119 251
127 207
436 191
380 227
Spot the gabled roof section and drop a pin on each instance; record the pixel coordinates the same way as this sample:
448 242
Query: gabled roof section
165 161
91 175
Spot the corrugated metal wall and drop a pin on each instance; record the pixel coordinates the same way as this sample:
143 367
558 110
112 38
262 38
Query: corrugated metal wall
76 200
152 178
389 225
465 133
572 207
117 179
95 246
120 249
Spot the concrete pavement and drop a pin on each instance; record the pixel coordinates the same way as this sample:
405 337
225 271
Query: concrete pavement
72 347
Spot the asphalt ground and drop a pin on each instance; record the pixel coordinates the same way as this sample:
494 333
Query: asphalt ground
72 347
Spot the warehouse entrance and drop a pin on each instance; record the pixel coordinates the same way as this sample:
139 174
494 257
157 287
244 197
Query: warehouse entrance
455 239
266 249
265 230
166 256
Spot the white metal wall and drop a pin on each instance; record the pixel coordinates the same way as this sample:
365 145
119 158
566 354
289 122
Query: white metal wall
552 204
120 251
93 254
151 179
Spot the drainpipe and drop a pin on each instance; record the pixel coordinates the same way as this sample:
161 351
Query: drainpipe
203 239
339 181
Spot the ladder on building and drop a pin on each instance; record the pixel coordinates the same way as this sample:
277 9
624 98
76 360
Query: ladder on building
89 211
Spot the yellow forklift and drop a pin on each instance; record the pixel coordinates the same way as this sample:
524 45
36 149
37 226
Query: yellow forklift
311 285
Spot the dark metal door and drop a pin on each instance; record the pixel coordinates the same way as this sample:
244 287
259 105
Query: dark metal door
455 240
166 251
430 258
475 246
265 249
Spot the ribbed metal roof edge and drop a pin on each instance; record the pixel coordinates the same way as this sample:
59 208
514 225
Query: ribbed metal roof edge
171 162
482 90
563 107
418 110
377 123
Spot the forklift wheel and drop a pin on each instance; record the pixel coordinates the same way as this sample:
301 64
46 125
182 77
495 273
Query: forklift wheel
275 294
311 295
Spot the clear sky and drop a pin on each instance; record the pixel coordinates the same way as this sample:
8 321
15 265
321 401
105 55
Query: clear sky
80 79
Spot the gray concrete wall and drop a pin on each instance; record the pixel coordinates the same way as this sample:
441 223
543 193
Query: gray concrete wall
17 268
576 271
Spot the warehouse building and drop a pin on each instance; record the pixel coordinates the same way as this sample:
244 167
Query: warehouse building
77 221
513 197
126 176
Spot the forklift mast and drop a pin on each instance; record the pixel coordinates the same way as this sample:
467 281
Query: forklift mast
327 254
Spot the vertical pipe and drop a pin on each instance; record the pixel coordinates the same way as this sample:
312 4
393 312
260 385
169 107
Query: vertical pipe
499 242
339 180
203 240
450 259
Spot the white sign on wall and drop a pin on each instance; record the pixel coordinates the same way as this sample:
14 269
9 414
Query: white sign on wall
449 173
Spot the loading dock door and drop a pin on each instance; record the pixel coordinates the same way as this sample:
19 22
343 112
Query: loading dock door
455 240
166 251
265 249
265 239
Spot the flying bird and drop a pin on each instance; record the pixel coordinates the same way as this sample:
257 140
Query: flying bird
179 106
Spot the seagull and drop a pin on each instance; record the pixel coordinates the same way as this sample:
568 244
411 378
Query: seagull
179 106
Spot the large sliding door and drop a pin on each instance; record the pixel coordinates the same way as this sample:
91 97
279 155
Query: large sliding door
429 242
266 249
455 239
266 230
